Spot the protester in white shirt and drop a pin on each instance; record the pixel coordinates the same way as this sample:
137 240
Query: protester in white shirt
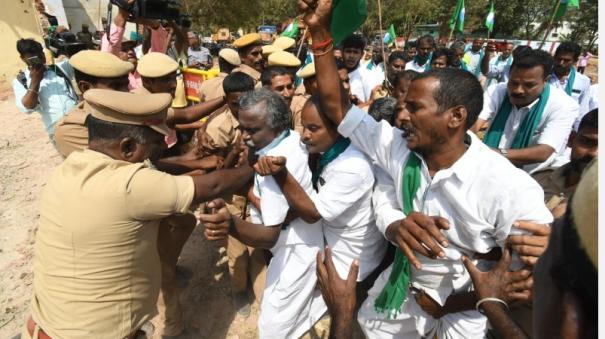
495 67
443 104
352 51
531 142
422 59
473 57
344 180
568 79
594 97
291 304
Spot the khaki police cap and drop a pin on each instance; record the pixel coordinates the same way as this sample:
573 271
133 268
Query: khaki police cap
284 42
129 108
270 49
584 209
230 55
285 59
307 71
155 65
100 64
246 40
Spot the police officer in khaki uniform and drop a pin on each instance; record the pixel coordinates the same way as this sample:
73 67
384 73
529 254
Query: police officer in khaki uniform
309 85
96 266
93 69
245 263
250 52
228 60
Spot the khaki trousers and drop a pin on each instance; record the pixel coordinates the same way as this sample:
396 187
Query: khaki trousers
246 263
172 236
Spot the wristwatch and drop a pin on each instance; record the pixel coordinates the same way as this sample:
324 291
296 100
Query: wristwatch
504 152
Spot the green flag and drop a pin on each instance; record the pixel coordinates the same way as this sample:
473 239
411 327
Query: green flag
564 5
457 20
292 30
389 36
489 21
347 17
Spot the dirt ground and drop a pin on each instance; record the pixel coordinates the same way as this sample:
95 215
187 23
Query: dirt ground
27 159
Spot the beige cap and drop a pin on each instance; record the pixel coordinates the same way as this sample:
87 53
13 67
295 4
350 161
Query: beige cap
284 42
155 65
307 71
100 64
230 55
129 108
281 58
247 40
270 49
584 208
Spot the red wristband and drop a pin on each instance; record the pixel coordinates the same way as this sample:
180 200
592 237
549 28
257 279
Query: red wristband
322 44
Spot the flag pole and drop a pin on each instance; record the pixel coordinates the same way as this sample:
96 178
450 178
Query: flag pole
384 60
302 40
549 27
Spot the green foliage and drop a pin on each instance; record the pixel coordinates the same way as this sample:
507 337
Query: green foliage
584 24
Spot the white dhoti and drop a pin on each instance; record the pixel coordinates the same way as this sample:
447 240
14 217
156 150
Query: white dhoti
413 322
291 304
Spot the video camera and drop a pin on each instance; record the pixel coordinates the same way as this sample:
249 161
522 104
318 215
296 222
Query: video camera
151 9
64 43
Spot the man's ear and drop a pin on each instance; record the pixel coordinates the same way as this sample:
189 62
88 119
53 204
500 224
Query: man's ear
84 86
458 116
572 137
128 147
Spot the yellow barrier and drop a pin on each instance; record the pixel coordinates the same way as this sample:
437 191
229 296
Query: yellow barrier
193 78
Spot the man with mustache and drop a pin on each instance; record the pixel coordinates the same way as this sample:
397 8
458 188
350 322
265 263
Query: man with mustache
250 52
441 209
566 77
530 119
560 183
290 304
422 60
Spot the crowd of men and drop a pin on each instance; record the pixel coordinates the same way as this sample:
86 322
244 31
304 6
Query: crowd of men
414 192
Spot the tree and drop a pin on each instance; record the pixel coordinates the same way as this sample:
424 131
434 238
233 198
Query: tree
584 24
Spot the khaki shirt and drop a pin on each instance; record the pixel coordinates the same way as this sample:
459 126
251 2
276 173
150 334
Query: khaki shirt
552 180
300 90
96 265
71 133
298 102
251 72
213 88
223 130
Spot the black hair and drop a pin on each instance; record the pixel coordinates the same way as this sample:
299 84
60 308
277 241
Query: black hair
569 47
533 58
428 38
238 82
457 87
29 46
408 74
80 76
224 65
340 64
590 120
410 44
271 72
444 52
520 50
354 41
101 130
383 109
397 55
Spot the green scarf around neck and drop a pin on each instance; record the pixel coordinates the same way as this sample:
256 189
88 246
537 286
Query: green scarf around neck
570 80
528 126
395 291
332 153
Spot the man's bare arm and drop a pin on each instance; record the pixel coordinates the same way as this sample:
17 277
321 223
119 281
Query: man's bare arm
194 113
218 183
530 155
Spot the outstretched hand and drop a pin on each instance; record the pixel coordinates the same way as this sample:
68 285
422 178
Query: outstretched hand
269 165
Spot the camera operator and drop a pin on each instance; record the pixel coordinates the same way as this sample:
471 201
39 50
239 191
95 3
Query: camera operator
45 89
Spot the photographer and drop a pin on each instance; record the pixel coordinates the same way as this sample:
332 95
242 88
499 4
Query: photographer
45 89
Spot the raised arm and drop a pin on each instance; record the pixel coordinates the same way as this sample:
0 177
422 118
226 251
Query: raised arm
317 14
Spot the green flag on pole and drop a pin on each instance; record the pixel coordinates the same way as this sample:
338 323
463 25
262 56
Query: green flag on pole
389 36
457 20
564 5
292 30
347 17
489 21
